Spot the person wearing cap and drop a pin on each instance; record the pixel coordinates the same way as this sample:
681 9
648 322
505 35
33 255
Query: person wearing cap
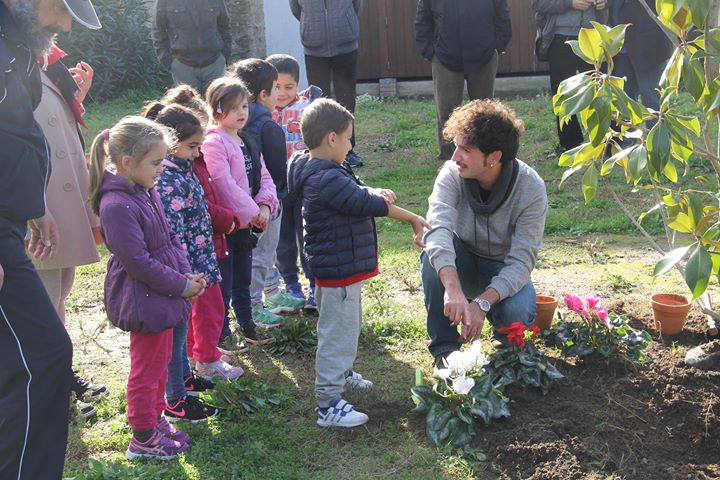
35 350
192 40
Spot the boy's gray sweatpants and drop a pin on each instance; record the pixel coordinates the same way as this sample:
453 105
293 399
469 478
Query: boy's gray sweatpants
338 332
265 276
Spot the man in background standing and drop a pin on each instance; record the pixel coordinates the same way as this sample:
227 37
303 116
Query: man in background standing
462 39
192 40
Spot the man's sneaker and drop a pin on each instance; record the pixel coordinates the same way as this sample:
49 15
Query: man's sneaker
355 381
228 345
353 159
254 337
295 289
171 432
264 319
83 388
191 409
279 302
85 410
158 446
340 414
310 305
219 368
195 385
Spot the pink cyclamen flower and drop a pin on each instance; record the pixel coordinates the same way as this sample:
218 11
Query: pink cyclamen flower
576 304
602 315
592 301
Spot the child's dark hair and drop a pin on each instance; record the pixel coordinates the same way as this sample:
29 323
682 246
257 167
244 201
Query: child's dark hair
223 94
489 125
322 117
182 120
188 97
132 136
285 64
257 75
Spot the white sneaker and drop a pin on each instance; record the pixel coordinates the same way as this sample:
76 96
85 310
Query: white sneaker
355 381
340 414
218 369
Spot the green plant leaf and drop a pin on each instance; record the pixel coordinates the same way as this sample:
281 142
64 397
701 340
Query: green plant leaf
421 395
695 209
693 76
658 143
575 46
666 263
637 161
610 162
681 223
698 270
699 10
482 408
460 433
589 183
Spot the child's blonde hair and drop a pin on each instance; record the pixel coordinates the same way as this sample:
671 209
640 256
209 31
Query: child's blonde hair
224 93
133 136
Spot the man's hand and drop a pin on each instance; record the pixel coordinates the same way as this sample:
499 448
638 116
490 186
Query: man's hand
582 4
83 75
600 4
456 306
2 277
44 237
472 324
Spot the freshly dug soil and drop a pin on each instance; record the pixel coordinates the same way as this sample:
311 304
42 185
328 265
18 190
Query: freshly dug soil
657 420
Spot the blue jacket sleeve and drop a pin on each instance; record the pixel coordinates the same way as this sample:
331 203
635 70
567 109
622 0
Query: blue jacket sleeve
274 153
343 194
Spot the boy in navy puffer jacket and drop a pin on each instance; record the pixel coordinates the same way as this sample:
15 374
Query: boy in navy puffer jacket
341 248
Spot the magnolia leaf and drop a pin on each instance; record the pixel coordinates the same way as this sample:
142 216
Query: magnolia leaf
713 39
681 151
671 172
589 183
695 209
693 78
715 263
599 121
590 44
579 101
575 46
637 161
612 38
610 162
644 214
671 75
699 10
681 223
668 261
658 143
567 158
712 101
691 123
698 270
568 173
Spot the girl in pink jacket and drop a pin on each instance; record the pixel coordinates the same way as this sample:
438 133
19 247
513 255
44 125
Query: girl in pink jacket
245 186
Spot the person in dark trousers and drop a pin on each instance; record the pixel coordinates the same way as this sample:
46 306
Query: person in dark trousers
192 40
329 30
462 39
558 21
35 350
645 52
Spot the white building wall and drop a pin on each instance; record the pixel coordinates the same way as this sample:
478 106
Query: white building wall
282 33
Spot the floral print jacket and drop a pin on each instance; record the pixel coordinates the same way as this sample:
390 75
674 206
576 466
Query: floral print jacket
187 213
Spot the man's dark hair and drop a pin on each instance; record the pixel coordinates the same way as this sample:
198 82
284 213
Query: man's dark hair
285 64
256 74
489 125
322 117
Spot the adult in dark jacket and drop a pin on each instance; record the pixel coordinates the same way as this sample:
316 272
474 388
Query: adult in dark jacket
558 21
329 31
645 52
35 350
192 40
462 39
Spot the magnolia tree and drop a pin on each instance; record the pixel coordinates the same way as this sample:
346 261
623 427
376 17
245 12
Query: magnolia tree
654 148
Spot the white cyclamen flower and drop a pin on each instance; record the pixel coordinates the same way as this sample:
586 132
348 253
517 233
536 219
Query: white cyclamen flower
475 351
455 362
443 373
463 385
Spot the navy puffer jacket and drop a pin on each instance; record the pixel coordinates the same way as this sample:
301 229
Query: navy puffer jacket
338 214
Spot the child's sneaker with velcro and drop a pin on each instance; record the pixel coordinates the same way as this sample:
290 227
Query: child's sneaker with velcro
191 409
355 381
195 385
158 446
310 305
278 302
265 319
340 414
218 368
295 289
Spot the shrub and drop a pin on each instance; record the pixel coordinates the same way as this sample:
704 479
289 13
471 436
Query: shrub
121 53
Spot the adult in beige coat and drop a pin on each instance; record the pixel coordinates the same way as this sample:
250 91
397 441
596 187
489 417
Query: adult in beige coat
66 196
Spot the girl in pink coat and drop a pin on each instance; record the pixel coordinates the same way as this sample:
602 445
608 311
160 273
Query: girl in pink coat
245 186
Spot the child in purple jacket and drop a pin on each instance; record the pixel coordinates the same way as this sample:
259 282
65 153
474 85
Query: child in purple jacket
149 281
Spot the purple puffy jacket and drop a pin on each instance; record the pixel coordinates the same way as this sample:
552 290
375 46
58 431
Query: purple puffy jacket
146 272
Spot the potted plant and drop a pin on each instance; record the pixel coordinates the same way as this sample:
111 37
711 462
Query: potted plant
670 312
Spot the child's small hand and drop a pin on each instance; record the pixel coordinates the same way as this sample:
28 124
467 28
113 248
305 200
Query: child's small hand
196 289
387 194
262 218
419 225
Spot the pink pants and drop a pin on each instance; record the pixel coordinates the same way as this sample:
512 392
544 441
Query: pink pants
149 357
206 321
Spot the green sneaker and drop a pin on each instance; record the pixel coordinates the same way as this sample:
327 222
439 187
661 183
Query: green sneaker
263 318
280 302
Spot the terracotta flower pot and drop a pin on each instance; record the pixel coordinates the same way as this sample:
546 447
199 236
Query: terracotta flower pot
670 312
546 307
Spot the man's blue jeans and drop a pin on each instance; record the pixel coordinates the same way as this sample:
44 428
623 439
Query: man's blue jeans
475 274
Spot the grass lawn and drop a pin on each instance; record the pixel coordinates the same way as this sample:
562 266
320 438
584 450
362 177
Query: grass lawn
588 248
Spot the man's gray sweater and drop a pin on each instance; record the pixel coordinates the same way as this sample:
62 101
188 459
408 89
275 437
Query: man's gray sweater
511 234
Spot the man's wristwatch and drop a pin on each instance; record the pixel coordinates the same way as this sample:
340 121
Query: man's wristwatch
483 304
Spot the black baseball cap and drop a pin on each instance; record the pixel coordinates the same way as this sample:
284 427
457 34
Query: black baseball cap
84 12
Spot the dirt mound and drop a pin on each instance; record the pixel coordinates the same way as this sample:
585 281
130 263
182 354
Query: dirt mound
616 419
